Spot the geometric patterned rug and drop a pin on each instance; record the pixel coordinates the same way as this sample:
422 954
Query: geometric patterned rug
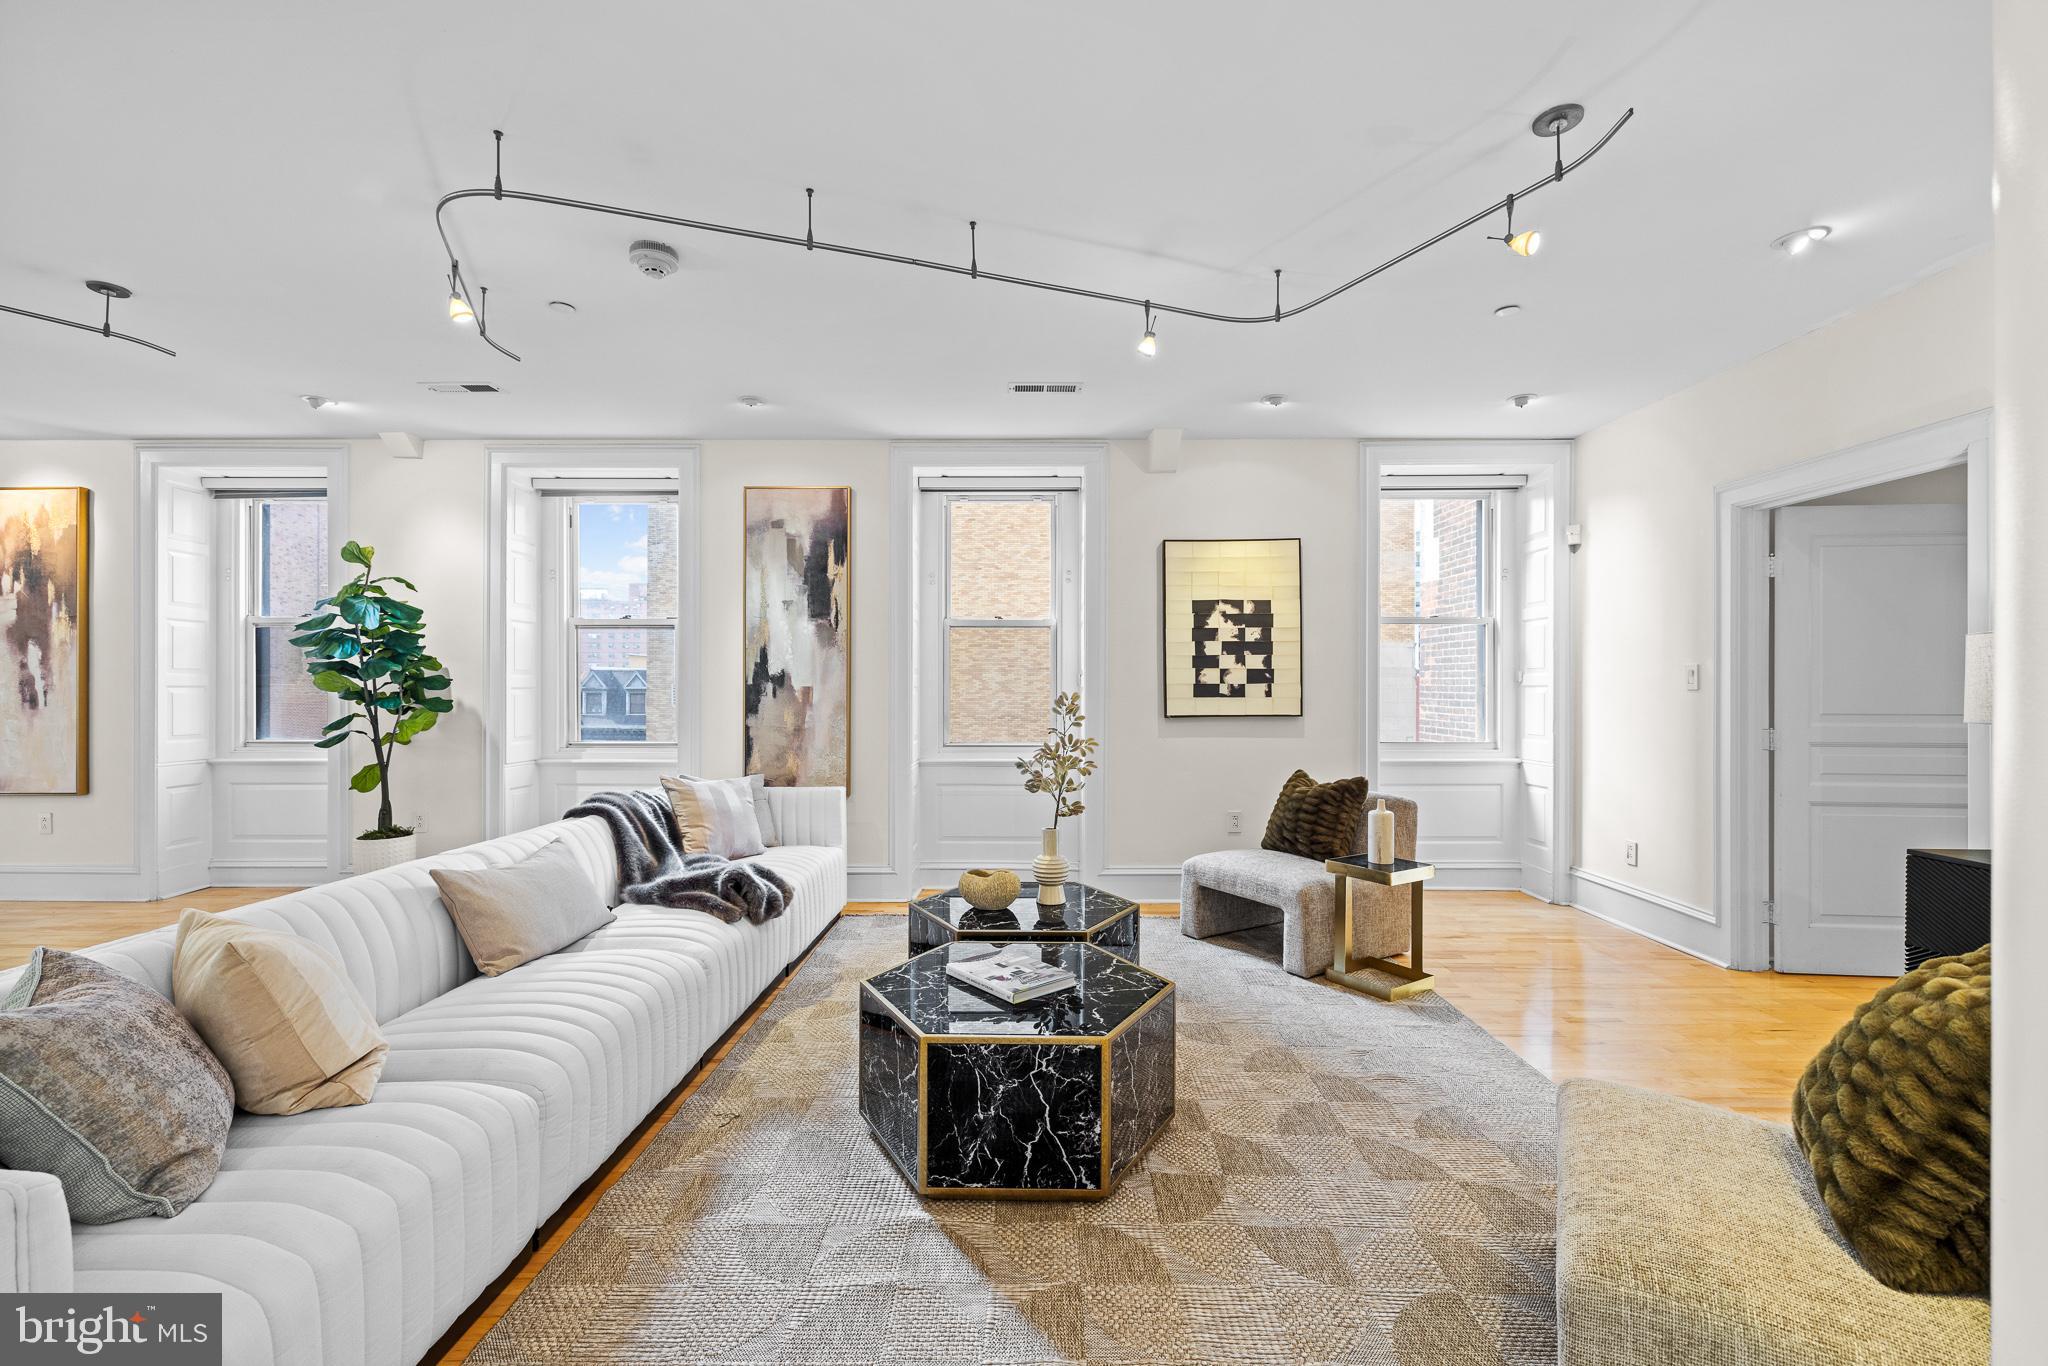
1342 1180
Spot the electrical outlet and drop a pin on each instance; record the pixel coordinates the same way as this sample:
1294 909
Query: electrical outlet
48 823
1234 822
419 824
1692 678
1628 851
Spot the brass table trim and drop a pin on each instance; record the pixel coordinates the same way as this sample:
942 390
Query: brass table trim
1411 978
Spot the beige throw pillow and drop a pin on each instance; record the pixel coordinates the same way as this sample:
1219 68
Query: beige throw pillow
525 910
279 1013
715 816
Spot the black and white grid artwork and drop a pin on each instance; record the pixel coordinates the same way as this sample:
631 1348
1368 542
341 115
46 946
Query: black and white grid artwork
1233 647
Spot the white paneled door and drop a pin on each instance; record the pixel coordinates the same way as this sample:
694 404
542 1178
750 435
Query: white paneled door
1867 705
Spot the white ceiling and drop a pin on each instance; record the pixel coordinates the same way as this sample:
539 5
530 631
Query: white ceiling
263 176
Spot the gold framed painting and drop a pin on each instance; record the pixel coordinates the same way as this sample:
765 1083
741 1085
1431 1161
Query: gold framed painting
797 633
45 629
1230 613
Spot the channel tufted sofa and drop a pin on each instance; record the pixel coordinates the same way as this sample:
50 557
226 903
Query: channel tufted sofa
357 1236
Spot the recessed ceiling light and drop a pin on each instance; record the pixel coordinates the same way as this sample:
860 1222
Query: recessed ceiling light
1507 310
1273 400
318 401
561 306
751 401
1522 400
1793 243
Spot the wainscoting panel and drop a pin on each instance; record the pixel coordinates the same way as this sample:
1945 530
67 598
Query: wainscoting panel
978 815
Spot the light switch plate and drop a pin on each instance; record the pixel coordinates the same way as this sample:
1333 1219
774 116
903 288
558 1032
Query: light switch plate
1692 678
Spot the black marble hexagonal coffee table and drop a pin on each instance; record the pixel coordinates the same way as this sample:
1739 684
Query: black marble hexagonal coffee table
1090 916
1057 1097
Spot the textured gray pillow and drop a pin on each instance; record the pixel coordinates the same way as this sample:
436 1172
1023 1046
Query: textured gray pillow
104 1086
512 915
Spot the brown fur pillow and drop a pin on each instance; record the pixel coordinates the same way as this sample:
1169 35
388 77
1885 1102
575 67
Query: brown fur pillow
1895 1116
1316 820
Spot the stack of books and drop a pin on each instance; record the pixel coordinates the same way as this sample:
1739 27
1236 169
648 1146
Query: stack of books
1012 973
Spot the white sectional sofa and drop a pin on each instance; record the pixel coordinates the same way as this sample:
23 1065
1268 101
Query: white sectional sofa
359 1235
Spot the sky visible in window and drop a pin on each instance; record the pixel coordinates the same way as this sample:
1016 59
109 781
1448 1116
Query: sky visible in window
611 576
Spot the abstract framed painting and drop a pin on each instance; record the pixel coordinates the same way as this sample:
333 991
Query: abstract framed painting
1231 620
45 627
797 632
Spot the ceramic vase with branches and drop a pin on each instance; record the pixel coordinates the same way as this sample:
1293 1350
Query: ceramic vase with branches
1061 766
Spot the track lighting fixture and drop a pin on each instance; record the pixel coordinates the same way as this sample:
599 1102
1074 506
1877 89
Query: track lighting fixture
105 327
1552 123
1524 243
459 311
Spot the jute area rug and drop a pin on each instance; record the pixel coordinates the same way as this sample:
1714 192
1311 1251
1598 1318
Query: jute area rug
1342 1180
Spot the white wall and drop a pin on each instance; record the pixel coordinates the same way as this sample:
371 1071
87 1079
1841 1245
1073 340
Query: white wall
1643 583
2019 775
92 849
1168 783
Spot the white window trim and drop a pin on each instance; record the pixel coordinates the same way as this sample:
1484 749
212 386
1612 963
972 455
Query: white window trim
561 660
236 535
1492 583
1061 650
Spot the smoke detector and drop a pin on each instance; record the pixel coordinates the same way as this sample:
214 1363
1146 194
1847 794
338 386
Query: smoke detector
655 260
1522 400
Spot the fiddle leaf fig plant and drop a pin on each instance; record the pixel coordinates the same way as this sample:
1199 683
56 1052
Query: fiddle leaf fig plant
367 647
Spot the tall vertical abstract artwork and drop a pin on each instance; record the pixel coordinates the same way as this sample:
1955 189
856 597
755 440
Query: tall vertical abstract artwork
1231 613
43 626
798 636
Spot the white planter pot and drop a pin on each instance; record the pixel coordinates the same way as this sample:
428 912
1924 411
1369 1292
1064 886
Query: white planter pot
371 855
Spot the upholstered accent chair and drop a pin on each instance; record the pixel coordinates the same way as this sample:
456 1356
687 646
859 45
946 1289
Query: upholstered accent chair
1236 889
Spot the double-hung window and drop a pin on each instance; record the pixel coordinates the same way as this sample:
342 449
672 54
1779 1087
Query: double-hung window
281 572
1439 638
619 652
1002 616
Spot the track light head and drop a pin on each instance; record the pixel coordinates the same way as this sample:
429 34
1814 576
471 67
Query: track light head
1525 243
1148 345
459 310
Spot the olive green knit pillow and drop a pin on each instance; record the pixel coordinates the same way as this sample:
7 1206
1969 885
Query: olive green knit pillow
1316 820
1895 1116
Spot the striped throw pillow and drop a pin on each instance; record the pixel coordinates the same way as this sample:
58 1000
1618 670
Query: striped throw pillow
715 815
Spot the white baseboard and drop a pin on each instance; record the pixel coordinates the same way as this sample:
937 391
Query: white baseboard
72 882
1672 923
267 874
873 882
1474 875
1140 881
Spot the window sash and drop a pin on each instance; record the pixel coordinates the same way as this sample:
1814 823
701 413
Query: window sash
251 577
570 658
1487 619
949 622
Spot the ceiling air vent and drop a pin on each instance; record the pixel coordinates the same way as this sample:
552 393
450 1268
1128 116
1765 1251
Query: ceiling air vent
458 386
1045 387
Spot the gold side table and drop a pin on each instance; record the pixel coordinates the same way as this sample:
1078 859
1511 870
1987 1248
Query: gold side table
1344 967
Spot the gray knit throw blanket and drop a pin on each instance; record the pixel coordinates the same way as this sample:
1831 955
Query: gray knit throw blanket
654 870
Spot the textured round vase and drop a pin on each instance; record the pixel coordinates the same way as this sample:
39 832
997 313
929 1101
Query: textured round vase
1050 870
989 889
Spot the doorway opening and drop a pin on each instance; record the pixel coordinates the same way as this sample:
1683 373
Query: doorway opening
1847 586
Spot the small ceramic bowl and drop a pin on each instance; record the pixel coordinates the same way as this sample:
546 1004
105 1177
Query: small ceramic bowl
989 889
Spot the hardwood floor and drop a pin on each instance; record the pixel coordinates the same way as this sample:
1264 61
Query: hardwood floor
1570 993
